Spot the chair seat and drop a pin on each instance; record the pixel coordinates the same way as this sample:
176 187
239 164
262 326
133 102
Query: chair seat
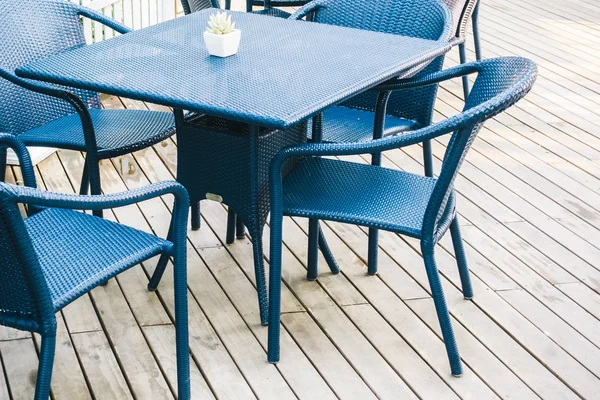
360 194
117 131
345 124
77 251
273 12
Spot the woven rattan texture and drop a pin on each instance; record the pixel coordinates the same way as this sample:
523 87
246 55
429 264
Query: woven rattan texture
16 298
282 3
63 254
199 5
277 78
499 84
103 250
426 19
461 13
394 200
190 6
221 157
273 12
383 198
346 124
30 32
117 131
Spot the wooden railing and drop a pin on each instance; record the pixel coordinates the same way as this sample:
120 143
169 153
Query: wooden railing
132 13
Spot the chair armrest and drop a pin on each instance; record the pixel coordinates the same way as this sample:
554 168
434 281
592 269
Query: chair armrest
31 196
307 9
426 80
71 98
103 19
371 146
23 155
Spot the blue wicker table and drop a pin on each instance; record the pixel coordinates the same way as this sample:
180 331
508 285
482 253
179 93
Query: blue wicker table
245 107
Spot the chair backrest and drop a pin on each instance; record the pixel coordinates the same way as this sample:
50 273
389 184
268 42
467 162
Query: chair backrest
461 11
500 83
32 30
190 6
425 19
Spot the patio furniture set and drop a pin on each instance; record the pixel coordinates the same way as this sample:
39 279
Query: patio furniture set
258 131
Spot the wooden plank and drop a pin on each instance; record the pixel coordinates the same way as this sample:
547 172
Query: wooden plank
225 378
140 368
418 375
80 316
343 379
296 368
302 379
398 315
503 345
101 367
21 374
555 328
162 340
584 296
479 357
4 394
67 376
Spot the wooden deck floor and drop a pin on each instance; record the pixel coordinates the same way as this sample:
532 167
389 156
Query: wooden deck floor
529 197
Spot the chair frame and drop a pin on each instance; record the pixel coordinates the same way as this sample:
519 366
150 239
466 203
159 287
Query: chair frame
91 172
316 239
470 11
45 323
438 217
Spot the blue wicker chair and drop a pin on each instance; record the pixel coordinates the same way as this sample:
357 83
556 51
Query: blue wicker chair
190 6
463 11
53 116
413 205
269 6
352 120
56 255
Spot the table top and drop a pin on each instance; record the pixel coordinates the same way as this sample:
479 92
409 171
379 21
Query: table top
284 71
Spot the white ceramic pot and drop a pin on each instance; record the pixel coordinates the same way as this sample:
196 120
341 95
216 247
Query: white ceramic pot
222 45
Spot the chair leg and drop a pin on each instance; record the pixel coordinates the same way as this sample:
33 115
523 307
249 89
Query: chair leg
462 52
44 376
259 272
231 220
240 229
441 308
427 158
85 180
93 170
181 323
313 249
159 270
373 254
273 348
2 164
476 39
195 215
327 254
461 260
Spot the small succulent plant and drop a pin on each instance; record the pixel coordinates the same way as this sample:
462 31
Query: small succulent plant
220 24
